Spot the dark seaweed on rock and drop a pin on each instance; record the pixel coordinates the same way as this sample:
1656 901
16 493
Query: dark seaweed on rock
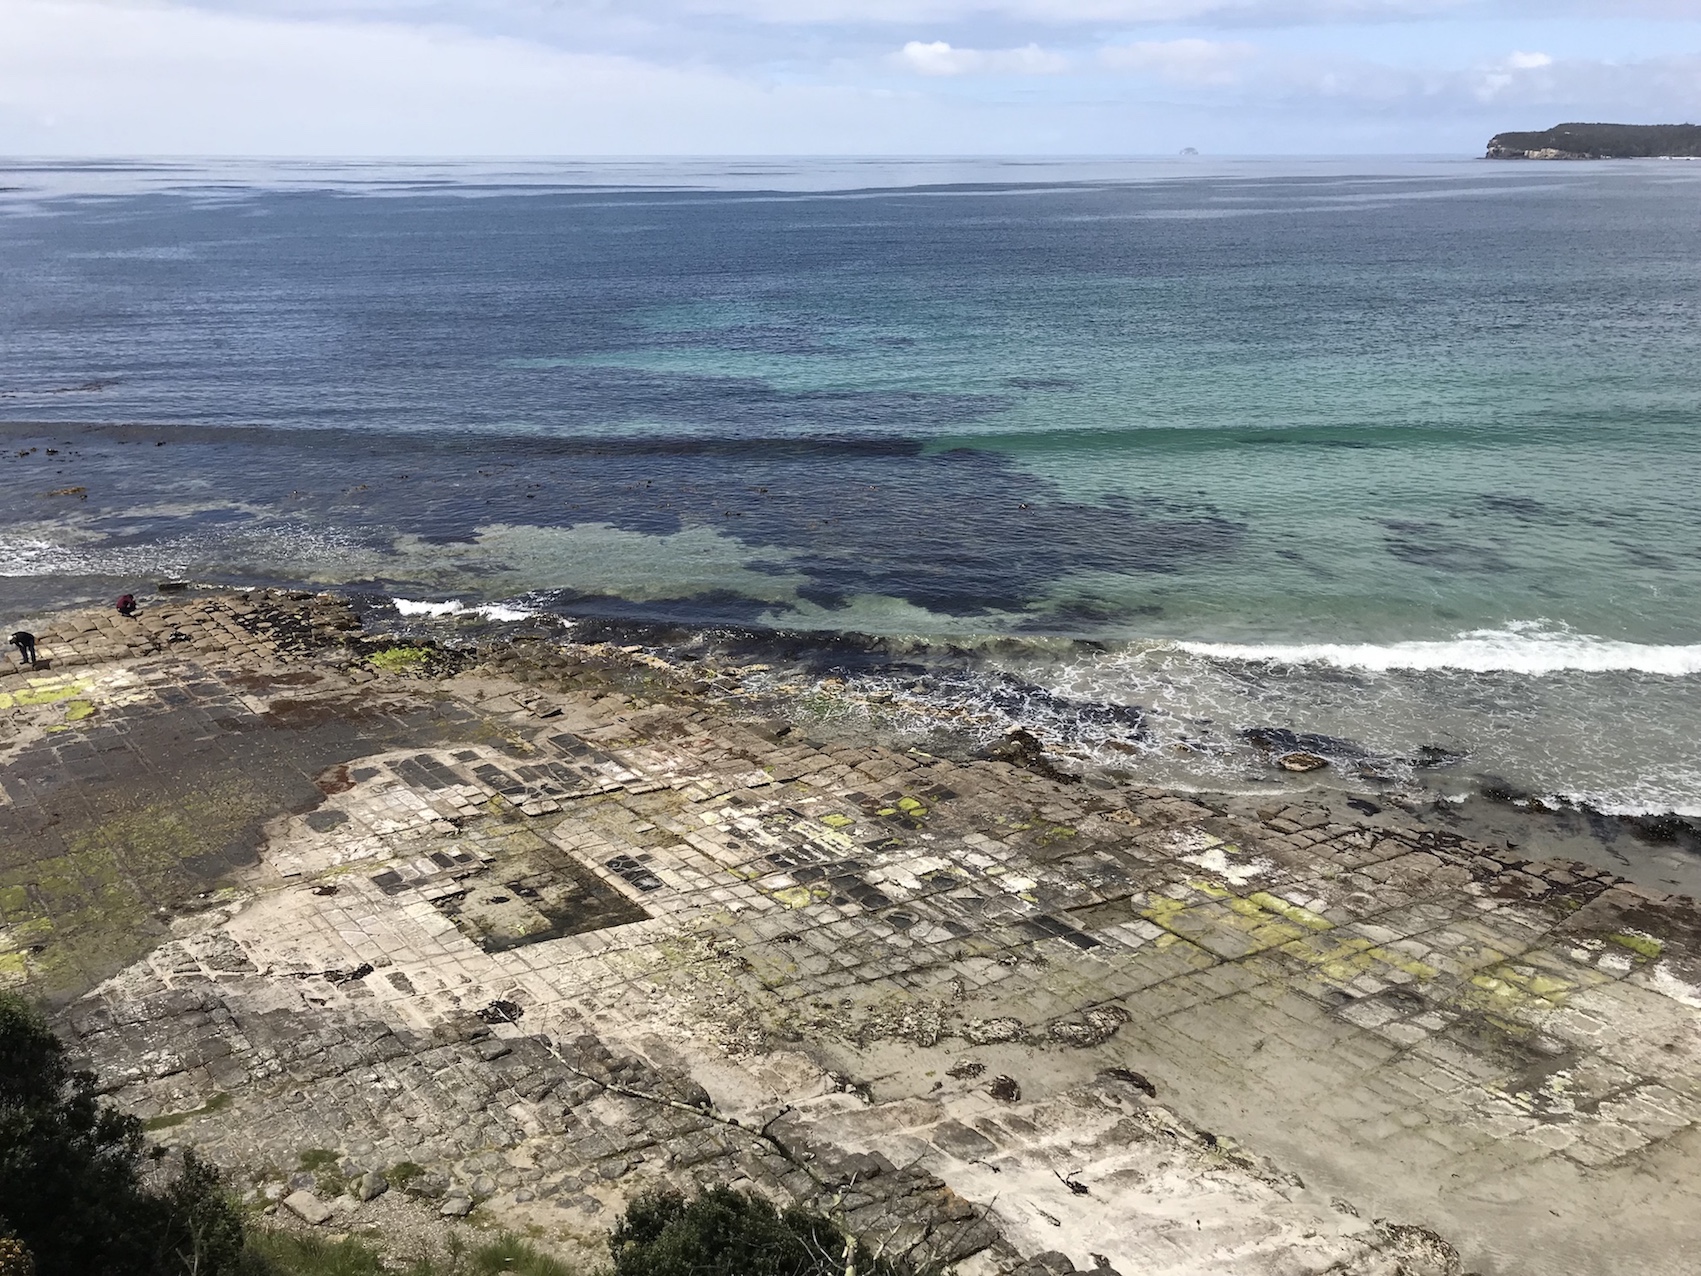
1028 703
1433 756
1283 740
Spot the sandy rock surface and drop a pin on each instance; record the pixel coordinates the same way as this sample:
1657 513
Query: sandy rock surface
517 934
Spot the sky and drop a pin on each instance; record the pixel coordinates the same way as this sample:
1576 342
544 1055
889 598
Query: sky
829 77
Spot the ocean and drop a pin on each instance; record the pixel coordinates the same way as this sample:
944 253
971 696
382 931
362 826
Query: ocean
1182 464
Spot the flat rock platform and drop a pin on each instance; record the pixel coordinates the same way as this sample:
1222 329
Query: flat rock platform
524 930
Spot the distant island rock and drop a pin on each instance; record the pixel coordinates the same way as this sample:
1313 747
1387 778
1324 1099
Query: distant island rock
1600 141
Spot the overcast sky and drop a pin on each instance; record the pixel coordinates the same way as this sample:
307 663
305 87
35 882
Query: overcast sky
601 77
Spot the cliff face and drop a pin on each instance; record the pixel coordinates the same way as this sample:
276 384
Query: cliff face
1599 141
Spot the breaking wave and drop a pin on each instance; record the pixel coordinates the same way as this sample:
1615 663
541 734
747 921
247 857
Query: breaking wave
1533 647
452 607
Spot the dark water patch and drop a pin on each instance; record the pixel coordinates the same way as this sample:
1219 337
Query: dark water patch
1523 508
1267 438
752 339
1642 556
595 397
851 515
1426 544
121 529
1074 616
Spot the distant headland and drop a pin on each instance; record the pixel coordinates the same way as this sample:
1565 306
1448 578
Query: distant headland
1600 141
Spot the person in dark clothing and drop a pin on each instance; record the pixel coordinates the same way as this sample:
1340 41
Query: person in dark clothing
25 643
127 605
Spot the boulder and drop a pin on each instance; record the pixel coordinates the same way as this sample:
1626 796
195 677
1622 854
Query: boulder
308 1208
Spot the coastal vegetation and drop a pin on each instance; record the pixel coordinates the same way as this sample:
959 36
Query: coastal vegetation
279 1253
80 1189
728 1233
1599 141
81 1192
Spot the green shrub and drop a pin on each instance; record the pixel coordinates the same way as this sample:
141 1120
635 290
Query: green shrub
403 1173
71 1184
290 1254
322 1163
511 1254
293 1254
728 1233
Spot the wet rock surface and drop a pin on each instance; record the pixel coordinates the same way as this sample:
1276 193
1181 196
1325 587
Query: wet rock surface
519 932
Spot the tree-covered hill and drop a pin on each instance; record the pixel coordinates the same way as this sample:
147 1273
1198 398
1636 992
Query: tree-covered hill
1599 141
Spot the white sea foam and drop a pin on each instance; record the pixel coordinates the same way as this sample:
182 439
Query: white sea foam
1526 647
452 607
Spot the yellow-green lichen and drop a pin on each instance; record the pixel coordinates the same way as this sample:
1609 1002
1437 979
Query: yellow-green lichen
42 691
1511 986
795 896
1643 945
31 931
400 659
1293 912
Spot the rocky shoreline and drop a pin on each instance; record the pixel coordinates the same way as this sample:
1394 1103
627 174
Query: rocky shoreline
506 933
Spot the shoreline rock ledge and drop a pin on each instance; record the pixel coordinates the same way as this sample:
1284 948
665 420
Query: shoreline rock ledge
524 930
1599 141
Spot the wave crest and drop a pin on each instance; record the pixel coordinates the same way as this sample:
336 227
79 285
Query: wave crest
489 611
1525 647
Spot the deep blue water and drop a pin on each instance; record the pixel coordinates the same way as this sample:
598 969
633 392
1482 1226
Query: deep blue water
1403 453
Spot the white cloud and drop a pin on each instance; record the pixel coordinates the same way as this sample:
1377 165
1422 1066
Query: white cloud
1501 95
79 78
161 77
1189 61
1071 12
1497 79
936 57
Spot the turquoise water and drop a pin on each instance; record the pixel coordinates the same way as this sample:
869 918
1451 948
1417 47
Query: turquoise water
1401 453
